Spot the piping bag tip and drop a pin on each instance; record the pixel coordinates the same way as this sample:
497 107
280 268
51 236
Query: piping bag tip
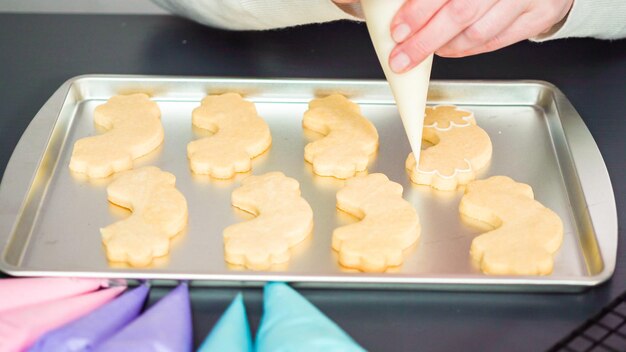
410 89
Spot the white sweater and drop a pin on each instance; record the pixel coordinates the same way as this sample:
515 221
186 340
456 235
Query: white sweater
604 19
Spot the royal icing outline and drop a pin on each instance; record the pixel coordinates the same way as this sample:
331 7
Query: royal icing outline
460 175
468 119
454 175
435 125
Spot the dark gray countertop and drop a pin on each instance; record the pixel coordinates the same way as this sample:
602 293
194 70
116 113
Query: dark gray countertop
39 52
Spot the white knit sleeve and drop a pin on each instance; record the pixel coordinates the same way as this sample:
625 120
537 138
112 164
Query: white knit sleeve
602 19
256 14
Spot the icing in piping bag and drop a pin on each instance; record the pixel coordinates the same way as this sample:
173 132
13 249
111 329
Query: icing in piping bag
85 333
166 326
231 332
15 293
410 89
291 323
20 327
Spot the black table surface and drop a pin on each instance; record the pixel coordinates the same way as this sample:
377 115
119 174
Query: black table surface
39 52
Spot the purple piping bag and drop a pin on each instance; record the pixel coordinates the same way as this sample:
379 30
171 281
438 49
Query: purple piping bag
85 333
164 327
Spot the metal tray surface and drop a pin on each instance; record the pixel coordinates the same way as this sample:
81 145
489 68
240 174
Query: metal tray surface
50 217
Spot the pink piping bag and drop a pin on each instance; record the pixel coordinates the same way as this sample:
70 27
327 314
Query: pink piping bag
164 327
20 327
85 333
15 293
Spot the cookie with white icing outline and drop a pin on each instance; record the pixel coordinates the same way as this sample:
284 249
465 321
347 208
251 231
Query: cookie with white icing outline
159 213
459 149
134 129
283 219
349 141
239 135
388 224
526 234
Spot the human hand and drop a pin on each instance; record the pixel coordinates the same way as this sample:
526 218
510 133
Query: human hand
457 28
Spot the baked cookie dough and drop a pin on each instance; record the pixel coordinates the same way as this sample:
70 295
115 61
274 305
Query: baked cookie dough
460 148
526 233
349 138
159 213
389 224
133 129
283 219
239 135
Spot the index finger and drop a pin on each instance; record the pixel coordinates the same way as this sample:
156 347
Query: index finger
412 16
452 19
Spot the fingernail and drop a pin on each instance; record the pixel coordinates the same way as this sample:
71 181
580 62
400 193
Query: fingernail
401 32
399 62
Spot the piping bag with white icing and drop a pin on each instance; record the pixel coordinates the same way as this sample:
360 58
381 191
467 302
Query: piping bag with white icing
410 89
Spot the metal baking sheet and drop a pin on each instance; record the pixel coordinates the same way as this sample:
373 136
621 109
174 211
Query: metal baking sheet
50 218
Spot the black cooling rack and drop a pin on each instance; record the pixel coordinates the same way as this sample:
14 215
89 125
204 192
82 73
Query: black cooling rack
605 332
